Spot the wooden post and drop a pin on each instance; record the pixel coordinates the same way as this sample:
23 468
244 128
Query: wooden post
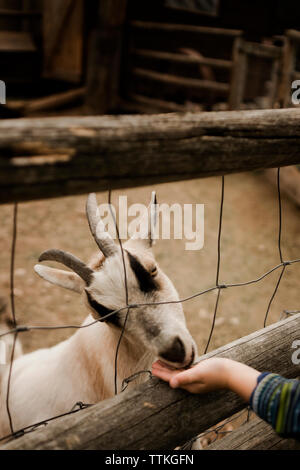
238 75
104 57
242 50
63 39
274 79
52 157
289 58
154 416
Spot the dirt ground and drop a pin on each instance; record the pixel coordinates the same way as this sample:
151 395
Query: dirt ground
249 248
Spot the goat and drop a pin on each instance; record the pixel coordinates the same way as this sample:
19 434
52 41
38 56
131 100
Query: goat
6 323
49 381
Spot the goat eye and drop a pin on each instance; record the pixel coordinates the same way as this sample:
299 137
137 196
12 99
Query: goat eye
153 271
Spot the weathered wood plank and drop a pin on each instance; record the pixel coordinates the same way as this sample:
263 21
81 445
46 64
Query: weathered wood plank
53 157
154 416
63 39
238 75
54 101
50 102
104 58
147 25
55 16
266 51
288 66
183 58
182 81
254 435
4 12
16 41
159 104
293 34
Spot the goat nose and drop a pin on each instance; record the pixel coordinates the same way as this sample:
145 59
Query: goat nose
176 352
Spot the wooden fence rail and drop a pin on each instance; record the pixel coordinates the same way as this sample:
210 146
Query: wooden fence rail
254 435
51 157
154 416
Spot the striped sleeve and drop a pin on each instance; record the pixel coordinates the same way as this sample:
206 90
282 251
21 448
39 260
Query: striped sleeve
277 401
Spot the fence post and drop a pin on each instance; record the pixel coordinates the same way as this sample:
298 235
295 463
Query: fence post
154 416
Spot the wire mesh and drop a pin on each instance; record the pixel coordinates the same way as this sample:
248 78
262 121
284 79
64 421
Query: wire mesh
18 329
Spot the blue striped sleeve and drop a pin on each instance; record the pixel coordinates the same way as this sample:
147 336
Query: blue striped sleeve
277 401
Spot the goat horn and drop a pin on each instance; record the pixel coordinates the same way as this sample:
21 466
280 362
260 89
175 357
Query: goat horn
101 236
70 261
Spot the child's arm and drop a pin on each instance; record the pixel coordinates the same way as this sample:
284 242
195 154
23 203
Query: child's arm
211 374
273 398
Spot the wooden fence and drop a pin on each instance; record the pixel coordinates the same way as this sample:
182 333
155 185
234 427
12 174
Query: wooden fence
53 157
154 416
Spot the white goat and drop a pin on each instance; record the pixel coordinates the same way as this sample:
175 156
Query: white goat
48 382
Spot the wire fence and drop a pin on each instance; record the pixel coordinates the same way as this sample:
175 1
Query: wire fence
19 329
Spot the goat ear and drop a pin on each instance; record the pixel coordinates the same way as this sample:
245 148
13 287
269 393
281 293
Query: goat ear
147 232
59 277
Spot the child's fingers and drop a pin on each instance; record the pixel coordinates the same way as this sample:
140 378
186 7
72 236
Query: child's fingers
195 388
186 377
170 376
189 379
164 373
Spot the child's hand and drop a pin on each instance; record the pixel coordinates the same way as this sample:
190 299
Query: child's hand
211 374
207 375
